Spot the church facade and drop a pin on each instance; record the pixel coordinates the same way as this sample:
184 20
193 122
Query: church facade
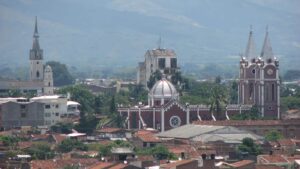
164 111
259 82
40 76
258 85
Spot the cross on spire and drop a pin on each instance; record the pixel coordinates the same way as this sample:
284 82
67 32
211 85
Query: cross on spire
36 33
250 49
267 48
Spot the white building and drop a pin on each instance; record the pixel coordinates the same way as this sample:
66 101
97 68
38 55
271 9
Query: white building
54 107
72 109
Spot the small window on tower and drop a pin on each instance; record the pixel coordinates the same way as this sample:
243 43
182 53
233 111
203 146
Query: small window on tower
49 84
253 71
37 74
37 62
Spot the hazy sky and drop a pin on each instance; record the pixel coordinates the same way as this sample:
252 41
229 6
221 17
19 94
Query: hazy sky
114 33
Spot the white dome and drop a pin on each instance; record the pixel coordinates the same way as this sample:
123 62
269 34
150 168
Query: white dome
163 89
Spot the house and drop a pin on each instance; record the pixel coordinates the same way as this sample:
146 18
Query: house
288 128
111 133
224 139
275 159
244 164
146 138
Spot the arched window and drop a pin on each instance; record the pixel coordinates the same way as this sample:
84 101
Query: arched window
251 90
267 92
273 92
37 74
49 84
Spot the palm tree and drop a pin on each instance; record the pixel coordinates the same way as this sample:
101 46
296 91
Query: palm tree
218 99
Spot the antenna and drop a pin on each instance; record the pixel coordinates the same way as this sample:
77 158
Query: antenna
267 28
159 42
251 28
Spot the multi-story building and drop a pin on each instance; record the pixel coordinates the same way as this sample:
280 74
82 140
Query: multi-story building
259 82
55 106
20 112
164 60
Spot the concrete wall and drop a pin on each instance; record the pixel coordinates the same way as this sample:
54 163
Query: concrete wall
16 114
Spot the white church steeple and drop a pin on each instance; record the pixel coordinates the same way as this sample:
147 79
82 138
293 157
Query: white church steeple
36 57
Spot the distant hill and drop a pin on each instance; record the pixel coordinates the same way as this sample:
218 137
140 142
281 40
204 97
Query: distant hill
110 34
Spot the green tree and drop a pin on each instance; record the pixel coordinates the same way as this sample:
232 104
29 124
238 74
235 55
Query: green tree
68 145
64 128
273 135
159 152
234 92
153 78
40 151
61 75
10 141
249 146
218 99
252 114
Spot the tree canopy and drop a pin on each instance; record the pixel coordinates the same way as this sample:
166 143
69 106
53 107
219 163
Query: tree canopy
61 74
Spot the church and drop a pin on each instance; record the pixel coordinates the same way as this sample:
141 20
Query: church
258 85
40 76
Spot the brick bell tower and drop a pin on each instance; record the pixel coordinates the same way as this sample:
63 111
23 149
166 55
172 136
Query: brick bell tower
259 82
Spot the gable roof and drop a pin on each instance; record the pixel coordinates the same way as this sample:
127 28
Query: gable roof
207 133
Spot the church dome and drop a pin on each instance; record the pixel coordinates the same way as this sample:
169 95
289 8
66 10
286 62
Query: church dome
163 89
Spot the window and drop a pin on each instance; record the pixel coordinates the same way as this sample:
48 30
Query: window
49 84
253 71
173 62
57 106
250 90
23 115
37 74
267 93
56 114
47 106
161 63
23 106
273 92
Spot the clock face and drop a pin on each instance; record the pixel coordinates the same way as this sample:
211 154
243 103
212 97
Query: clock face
175 121
270 71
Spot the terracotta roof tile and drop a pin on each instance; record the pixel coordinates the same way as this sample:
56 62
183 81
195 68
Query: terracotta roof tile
268 167
249 122
242 163
147 137
59 137
275 158
118 166
286 142
24 144
100 165
39 136
175 164
60 163
110 130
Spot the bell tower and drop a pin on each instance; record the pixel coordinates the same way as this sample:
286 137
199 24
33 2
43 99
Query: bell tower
259 82
48 81
36 57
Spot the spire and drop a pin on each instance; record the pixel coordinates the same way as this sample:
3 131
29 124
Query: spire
250 49
36 45
36 53
159 42
36 33
267 48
